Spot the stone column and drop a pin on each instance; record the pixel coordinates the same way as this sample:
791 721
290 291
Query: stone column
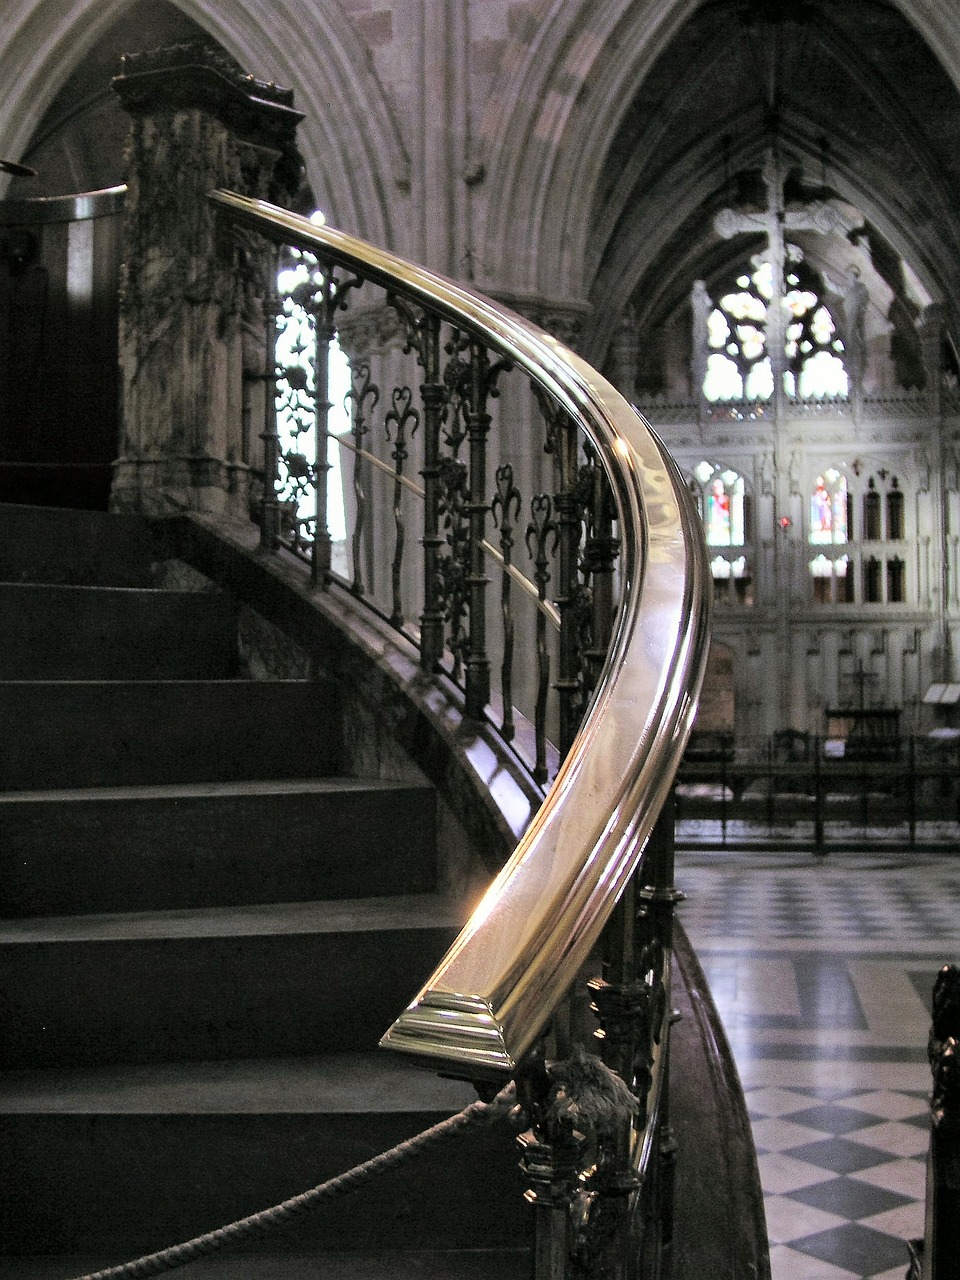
191 296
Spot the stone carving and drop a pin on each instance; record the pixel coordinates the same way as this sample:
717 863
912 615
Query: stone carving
369 330
765 474
191 298
856 298
565 320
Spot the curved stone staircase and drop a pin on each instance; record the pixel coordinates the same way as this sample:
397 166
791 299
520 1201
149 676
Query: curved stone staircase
206 929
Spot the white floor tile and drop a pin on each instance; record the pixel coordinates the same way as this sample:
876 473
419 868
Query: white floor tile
887 1104
787 1264
895 1137
777 1102
780 1173
788 1220
909 1177
888 916
779 1134
905 1222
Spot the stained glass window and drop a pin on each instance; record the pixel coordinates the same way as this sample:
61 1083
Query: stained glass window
725 509
722 505
863 572
829 508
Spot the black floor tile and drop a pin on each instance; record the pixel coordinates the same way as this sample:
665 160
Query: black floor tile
837 1120
856 1248
848 1197
840 1155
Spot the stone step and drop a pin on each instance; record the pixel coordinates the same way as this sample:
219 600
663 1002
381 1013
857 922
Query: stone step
217 982
117 733
82 548
115 633
214 844
131 1160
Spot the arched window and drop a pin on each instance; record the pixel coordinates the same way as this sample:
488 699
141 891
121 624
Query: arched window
894 512
725 510
851 567
830 509
738 363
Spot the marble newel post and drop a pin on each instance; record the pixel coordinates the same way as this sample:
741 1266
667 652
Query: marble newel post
191 304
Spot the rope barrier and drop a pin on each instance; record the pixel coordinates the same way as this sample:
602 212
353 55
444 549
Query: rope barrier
179 1255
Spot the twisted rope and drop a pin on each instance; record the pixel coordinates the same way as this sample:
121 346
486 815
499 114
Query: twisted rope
179 1255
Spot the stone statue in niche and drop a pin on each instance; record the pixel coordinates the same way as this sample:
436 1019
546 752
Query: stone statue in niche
701 304
856 298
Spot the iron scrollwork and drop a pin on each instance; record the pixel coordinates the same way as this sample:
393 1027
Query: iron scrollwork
453 567
422 337
310 294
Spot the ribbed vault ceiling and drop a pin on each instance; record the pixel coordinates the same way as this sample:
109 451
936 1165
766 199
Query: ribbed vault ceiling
859 111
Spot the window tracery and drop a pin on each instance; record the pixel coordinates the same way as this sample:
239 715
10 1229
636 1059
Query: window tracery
738 330
853 563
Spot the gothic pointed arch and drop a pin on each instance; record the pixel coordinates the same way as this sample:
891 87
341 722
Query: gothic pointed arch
566 82
350 142
664 177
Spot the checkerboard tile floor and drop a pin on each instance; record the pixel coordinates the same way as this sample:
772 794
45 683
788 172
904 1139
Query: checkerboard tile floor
821 970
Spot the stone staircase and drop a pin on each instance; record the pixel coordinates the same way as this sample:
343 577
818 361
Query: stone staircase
206 929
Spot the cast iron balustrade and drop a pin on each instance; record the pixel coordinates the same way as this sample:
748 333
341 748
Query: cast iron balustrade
478 402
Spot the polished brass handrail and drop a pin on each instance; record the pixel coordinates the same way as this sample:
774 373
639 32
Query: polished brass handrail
493 994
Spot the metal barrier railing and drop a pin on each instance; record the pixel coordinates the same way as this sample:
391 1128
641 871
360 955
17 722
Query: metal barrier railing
816 794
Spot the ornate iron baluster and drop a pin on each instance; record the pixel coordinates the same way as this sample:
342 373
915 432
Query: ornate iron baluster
402 415
270 503
471 381
541 544
483 379
600 559
423 337
659 898
630 1002
943 1050
362 391
453 567
562 444
505 509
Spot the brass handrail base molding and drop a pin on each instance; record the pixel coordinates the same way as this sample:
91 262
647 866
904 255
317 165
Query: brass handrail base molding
440 1023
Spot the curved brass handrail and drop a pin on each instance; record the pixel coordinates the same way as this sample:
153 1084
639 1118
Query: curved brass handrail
494 992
